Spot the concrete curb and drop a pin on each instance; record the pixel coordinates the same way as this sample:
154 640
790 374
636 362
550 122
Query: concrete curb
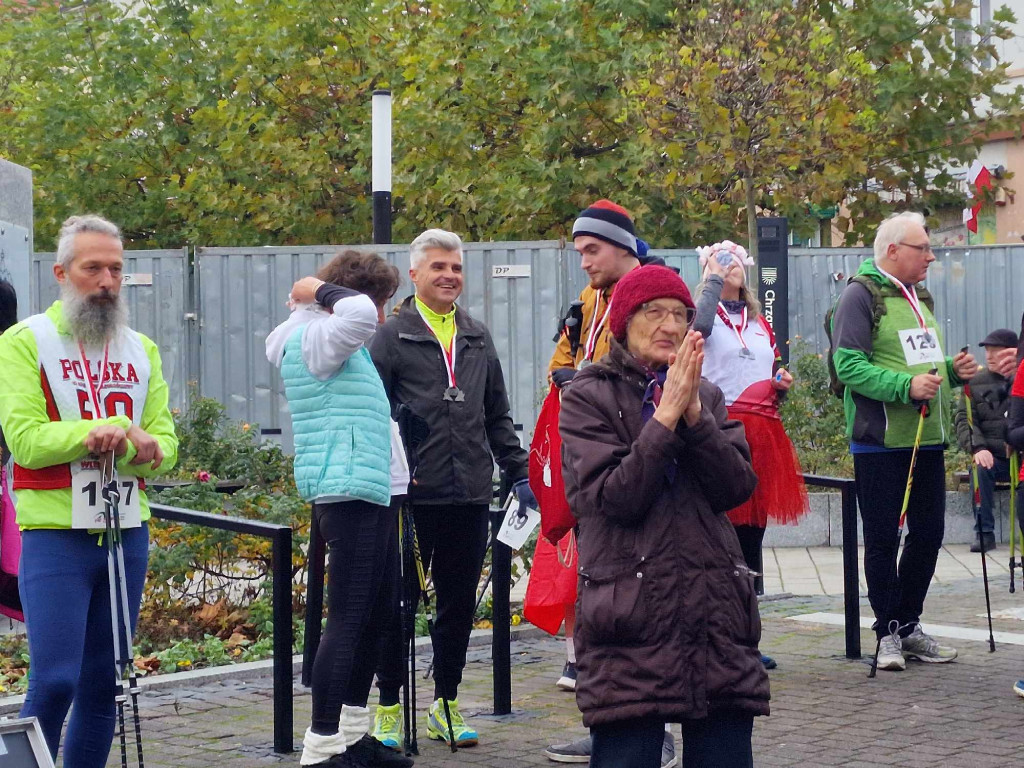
252 670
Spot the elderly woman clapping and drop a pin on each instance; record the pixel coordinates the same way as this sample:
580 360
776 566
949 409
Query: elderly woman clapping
667 622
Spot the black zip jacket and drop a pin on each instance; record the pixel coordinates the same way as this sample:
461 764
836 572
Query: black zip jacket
455 462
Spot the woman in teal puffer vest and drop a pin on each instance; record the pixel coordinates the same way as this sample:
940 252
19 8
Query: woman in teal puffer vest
343 449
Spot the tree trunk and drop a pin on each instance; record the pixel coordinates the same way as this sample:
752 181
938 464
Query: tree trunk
748 184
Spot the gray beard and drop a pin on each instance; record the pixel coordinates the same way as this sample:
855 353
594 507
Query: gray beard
93 320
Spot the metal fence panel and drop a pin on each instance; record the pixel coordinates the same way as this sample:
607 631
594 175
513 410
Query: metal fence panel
976 290
242 293
160 310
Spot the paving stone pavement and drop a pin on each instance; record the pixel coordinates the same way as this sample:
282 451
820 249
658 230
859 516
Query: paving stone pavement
825 711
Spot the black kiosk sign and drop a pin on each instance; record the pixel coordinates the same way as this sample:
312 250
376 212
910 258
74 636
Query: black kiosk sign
773 278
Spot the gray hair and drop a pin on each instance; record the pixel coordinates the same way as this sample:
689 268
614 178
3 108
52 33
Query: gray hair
433 238
76 225
893 230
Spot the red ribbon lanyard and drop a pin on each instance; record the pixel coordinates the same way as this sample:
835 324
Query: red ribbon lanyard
729 324
911 297
595 331
94 390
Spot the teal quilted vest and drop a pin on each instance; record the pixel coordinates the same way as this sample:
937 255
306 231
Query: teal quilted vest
341 427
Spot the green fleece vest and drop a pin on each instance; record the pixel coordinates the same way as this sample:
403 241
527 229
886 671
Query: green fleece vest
887 352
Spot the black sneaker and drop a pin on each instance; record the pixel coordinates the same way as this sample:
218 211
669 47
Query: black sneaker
344 760
567 682
371 753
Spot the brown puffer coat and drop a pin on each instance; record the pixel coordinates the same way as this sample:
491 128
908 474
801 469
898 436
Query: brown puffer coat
667 623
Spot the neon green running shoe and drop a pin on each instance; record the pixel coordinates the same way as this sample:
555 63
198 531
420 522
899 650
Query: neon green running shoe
437 724
387 726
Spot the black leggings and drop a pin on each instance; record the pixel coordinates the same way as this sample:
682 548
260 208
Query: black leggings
358 606
453 541
751 537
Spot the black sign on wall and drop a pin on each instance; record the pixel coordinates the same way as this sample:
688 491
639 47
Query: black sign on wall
773 278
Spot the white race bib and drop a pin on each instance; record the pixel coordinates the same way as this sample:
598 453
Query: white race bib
921 345
87 503
515 530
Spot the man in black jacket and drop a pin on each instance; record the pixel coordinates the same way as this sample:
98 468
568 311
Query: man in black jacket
441 363
986 442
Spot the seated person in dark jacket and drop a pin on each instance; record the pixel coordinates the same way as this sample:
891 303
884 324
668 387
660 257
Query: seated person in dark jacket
989 393
667 625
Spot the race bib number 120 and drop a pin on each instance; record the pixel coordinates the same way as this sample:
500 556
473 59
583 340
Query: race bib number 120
921 345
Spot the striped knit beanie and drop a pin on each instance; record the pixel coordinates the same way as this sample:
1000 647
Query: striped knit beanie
609 222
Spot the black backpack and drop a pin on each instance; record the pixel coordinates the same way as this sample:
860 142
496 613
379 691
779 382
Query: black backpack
877 310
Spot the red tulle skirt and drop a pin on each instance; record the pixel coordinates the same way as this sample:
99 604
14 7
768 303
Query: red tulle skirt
552 585
780 494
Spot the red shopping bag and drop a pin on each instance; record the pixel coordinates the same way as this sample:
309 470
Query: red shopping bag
556 519
552 585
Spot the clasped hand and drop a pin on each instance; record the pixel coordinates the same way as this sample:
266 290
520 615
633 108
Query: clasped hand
680 395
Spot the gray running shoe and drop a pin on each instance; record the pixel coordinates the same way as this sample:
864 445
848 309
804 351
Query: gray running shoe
668 752
575 752
890 655
918 645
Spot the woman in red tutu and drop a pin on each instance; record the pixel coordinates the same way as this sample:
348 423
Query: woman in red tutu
740 356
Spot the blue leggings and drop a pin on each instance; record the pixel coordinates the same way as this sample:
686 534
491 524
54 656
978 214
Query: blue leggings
66 597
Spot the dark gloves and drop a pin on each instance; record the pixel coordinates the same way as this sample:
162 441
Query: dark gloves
525 495
562 376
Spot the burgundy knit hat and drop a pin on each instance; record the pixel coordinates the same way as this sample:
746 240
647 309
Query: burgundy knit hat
640 286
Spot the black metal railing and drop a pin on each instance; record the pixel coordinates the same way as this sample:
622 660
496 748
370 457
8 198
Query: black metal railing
851 585
281 567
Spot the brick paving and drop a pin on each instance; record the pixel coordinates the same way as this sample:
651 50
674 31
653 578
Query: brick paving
825 711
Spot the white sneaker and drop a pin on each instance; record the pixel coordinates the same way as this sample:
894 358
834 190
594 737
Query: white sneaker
918 645
890 654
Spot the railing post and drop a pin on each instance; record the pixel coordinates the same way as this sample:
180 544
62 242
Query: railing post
283 640
501 617
314 599
851 582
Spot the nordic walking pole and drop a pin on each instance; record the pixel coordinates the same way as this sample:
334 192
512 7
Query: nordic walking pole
923 410
117 576
409 602
977 519
421 576
1014 482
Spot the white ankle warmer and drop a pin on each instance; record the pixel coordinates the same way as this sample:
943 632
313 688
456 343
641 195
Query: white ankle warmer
317 748
353 723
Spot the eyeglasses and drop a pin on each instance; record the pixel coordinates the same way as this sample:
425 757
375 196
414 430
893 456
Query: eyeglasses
655 313
926 248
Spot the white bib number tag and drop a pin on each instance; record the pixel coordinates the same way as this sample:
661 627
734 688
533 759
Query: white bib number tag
515 530
87 503
921 346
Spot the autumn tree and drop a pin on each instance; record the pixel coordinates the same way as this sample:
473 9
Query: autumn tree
757 102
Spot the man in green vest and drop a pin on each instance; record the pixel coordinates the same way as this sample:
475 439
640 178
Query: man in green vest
886 342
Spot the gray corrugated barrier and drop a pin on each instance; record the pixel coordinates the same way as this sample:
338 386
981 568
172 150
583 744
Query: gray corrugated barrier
242 294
